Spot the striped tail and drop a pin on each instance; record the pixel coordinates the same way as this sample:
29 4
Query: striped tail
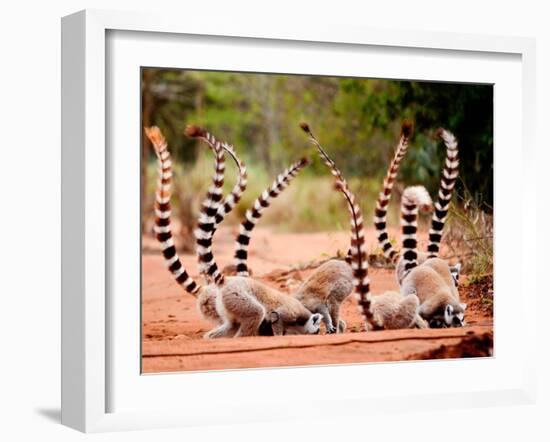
210 207
384 196
446 186
253 215
162 227
413 197
234 197
358 250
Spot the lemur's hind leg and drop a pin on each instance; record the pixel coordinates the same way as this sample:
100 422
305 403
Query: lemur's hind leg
206 303
245 309
406 314
410 302
251 325
334 307
226 330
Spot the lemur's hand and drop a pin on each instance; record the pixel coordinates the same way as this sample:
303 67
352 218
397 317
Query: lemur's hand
331 329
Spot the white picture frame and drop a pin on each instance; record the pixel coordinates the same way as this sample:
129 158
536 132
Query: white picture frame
87 314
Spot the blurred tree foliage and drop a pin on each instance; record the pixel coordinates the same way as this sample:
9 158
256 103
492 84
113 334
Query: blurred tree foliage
465 109
357 120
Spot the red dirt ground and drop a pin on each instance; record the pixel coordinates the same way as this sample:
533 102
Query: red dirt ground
172 327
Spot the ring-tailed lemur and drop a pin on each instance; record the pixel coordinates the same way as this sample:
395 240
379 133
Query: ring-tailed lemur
450 174
394 309
239 305
324 291
431 283
423 275
212 212
332 281
357 256
434 286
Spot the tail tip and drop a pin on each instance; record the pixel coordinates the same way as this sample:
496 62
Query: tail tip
407 127
444 133
305 127
304 161
420 196
193 131
155 136
448 137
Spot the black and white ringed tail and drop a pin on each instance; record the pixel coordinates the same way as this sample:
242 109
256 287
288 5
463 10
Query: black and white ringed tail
358 254
253 215
413 198
445 193
209 208
231 200
162 226
381 210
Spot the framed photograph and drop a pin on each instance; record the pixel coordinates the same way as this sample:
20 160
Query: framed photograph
211 173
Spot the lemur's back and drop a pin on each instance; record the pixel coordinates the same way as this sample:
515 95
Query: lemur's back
274 299
442 269
269 297
332 280
394 311
423 281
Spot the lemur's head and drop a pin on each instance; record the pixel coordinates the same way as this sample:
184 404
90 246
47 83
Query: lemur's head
450 315
303 324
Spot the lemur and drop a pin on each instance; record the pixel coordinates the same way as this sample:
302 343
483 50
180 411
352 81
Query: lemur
450 174
434 286
431 283
441 209
324 291
424 275
237 304
393 309
357 256
326 288
333 279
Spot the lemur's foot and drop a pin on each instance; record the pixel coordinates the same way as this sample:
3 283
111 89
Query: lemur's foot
224 330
